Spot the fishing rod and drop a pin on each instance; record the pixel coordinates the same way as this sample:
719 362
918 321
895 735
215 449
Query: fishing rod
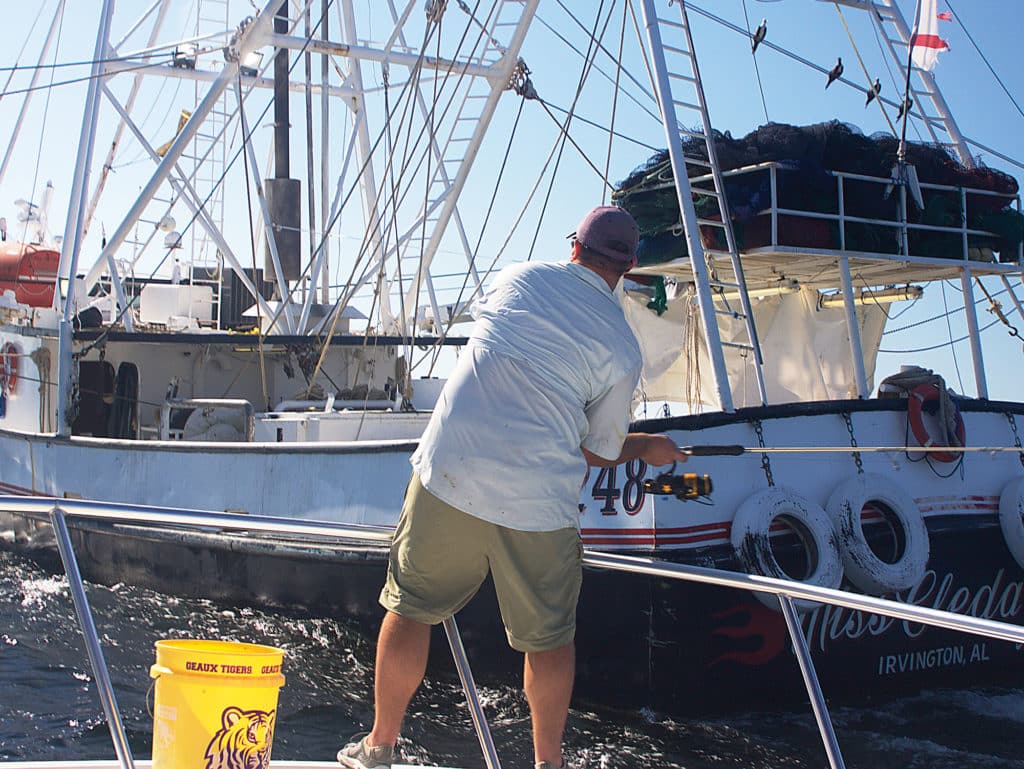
690 486
735 450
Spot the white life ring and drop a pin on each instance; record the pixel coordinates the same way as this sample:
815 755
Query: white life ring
9 356
864 569
751 541
1011 518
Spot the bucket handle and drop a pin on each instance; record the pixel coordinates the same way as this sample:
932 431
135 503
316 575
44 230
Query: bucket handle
155 671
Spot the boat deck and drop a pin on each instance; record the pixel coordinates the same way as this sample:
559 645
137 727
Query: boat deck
113 764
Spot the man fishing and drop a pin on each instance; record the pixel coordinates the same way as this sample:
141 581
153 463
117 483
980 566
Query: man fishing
542 390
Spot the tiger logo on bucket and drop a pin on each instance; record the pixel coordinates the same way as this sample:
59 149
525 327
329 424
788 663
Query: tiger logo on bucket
243 741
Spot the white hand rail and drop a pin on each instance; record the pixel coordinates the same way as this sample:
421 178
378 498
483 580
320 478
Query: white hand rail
57 510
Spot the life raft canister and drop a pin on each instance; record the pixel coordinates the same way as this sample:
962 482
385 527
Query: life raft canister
926 393
751 541
30 271
866 570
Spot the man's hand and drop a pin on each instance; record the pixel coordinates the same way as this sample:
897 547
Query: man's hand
655 450
660 450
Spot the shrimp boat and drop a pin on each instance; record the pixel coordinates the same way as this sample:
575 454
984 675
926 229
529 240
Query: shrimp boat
277 351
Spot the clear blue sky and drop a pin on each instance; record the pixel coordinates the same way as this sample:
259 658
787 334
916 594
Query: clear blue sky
792 94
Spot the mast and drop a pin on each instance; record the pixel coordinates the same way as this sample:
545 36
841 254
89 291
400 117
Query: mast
284 194
73 230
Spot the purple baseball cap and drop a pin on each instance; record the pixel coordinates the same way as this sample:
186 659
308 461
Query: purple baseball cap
610 231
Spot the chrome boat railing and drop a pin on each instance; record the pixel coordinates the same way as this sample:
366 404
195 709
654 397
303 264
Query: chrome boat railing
56 512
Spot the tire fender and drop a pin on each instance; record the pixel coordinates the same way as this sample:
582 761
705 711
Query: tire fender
864 569
751 544
1011 518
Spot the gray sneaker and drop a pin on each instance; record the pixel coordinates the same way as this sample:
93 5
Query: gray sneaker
359 755
549 765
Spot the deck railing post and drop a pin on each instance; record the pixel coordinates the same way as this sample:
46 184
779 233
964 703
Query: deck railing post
476 710
974 334
92 641
803 657
853 328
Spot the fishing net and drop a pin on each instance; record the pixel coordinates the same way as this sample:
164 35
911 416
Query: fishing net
803 157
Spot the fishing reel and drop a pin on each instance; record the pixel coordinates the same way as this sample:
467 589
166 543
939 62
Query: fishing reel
685 486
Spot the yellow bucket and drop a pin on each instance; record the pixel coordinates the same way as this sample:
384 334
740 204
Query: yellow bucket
215 703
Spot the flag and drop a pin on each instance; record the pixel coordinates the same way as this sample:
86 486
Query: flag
925 43
182 119
944 16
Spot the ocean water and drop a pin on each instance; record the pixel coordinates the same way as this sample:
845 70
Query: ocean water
49 708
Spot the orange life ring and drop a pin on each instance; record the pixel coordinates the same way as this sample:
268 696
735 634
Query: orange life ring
920 395
9 357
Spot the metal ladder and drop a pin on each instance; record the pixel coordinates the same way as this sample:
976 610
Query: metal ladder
681 92
928 102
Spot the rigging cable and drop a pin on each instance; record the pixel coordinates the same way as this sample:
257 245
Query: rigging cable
592 47
649 94
594 124
984 59
916 324
484 38
252 248
483 228
84 63
615 103
893 81
824 70
997 309
201 207
864 69
407 86
949 334
757 70
950 343
46 115
373 221
21 52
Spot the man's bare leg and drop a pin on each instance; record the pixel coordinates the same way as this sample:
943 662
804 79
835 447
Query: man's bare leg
402 648
547 680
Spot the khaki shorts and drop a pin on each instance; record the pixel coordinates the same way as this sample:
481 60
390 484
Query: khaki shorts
440 556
